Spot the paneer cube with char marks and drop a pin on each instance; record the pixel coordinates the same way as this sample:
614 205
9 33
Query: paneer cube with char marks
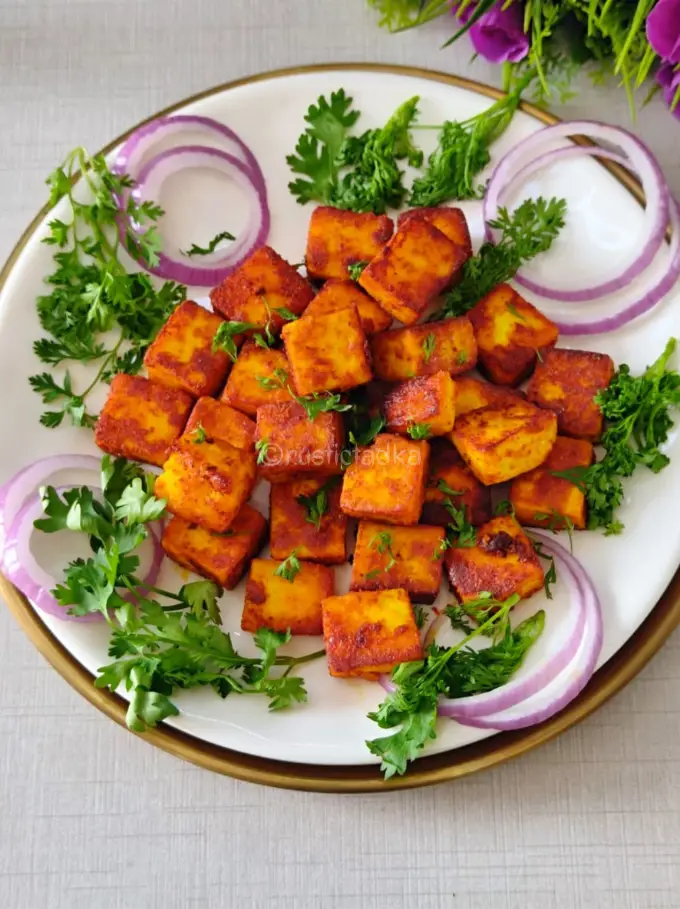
503 562
499 443
541 499
216 421
386 480
427 403
337 294
566 383
448 475
417 264
511 335
207 484
450 221
222 557
292 445
141 419
244 389
424 349
262 284
338 239
181 355
305 516
387 557
327 352
273 601
369 632
473 394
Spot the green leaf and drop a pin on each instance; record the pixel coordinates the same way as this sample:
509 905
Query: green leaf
201 597
289 568
195 250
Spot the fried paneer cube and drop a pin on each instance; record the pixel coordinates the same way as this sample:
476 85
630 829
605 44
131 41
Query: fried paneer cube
141 419
207 484
424 350
387 557
417 264
262 284
511 335
450 221
244 390
327 352
337 294
386 480
273 601
502 562
338 239
222 557
427 403
541 499
305 516
499 443
566 382
369 632
472 394
448 475
290 444
181 354
214 420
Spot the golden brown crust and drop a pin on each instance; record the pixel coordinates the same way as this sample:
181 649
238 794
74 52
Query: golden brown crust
297 445
369 632
141 419
416 265
222 557
338 239
447 467
473 394
566 383
502 562
511 335
264 283
403 353
243 391
450 221
291 529
181 354
427 401
274 602
337 294
221 423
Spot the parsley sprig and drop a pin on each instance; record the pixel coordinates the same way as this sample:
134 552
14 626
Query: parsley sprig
158 645
637 414
456 671
196 250
525 233
92 290
313 404
316 504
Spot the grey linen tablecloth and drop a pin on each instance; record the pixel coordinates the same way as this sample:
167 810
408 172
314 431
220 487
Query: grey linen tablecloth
93 818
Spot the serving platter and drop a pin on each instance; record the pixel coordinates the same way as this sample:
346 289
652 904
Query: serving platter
321 744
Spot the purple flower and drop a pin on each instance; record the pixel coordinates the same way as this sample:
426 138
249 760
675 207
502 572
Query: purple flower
498 35
663 29
669 79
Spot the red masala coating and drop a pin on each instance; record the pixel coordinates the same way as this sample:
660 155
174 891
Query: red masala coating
274 602
297 445
243 390
337 294
222 557
221 423
427 401
403 353
181 355
447 467
262 284
337 239
473 394
291 528
141 419
566 383
450 221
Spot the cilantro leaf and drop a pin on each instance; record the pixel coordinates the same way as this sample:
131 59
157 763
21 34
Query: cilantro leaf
195 250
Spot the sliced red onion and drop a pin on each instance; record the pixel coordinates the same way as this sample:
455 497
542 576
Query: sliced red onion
530 683
16 491
572 679
184 270
639 158
154 137
21 568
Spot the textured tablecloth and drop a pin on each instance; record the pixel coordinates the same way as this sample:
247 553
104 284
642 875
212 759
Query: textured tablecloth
93 818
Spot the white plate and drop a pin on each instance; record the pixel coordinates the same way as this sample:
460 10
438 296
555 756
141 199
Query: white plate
630 571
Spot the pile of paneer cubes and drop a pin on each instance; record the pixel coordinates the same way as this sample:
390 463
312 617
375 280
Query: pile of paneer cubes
199 416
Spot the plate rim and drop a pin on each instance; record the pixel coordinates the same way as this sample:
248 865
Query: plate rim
620 669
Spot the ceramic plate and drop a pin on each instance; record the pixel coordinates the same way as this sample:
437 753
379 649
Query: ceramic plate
631 572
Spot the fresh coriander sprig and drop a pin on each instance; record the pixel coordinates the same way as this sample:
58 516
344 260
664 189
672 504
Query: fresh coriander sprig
429 345
525 233
637 413
196 250
382 542
289 568
456 671
313 404
460 533
419 430
92 291
316 504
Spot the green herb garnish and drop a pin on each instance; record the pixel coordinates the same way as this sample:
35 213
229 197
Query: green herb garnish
316 504
195 250
419 430
289 568
429 345
262 449
355 270
382 541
